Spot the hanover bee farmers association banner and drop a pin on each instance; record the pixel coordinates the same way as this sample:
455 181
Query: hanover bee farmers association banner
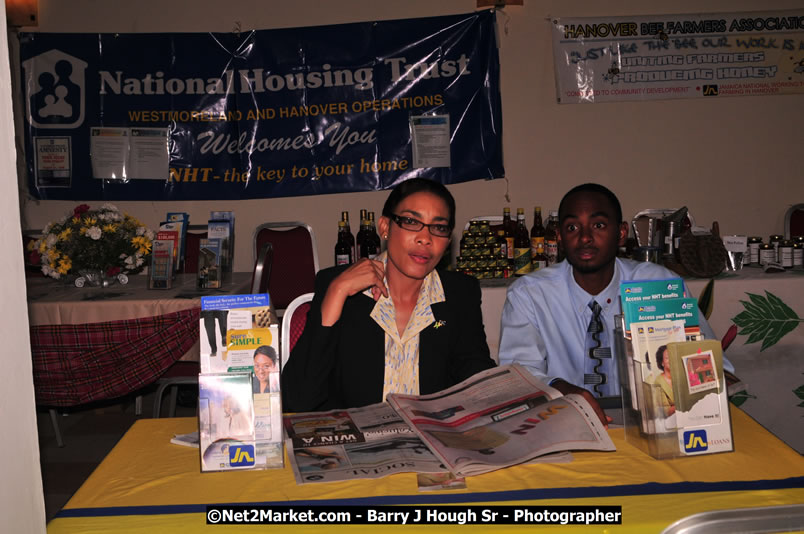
264 113
678 56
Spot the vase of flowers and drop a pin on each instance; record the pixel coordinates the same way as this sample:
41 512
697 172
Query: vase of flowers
94 247
97 278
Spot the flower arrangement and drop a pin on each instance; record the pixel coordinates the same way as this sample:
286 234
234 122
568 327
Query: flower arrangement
104 239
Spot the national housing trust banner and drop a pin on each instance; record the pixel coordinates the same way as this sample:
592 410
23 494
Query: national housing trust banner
263 113
678 56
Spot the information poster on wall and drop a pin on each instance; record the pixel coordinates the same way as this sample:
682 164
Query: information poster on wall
712 55
430 136
52 161
262 113
108 151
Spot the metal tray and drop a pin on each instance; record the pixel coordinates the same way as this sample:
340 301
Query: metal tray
760 519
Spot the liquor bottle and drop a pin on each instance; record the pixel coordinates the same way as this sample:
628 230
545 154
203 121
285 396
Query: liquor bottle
508 227
522 264
361 234
537 256
373 236
551 238
505 263
343 252
349 236
364 245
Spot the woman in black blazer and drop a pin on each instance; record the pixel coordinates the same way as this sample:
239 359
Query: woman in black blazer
393 323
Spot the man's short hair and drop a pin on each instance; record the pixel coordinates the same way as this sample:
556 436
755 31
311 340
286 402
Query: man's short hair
592 188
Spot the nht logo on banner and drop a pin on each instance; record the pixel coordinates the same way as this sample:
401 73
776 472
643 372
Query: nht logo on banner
55 90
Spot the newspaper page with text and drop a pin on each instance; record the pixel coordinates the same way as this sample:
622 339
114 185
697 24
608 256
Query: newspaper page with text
500 417
369 442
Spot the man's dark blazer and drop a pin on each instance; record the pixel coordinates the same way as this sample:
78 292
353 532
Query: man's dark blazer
343 366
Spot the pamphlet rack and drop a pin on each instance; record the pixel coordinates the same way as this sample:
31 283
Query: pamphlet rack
700 422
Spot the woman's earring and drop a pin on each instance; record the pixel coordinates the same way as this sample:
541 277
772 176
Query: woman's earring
385 236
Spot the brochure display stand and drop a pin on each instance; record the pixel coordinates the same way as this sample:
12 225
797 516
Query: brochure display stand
240 411
683 416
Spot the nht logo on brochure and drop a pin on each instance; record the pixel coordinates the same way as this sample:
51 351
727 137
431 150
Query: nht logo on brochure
695 441
241 455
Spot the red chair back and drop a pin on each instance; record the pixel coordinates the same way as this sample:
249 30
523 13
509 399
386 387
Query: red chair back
297 323
293 266
293 324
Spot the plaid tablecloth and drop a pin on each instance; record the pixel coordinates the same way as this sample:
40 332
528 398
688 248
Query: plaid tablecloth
80 363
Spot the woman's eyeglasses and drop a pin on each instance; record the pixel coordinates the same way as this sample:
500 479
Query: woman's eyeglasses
414 225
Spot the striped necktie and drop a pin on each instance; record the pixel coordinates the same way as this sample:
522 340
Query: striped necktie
598 352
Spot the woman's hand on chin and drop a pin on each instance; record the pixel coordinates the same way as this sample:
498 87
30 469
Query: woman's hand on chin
365 274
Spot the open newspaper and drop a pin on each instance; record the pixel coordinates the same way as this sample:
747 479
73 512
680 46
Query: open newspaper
500 417
368 442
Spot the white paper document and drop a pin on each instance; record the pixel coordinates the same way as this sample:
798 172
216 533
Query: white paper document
109 148
129 153
148 155
431 141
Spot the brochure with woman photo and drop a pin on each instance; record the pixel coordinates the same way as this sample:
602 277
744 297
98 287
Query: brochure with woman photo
655 393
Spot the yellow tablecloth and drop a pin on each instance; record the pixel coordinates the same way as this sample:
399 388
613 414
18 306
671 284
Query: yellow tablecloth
146 484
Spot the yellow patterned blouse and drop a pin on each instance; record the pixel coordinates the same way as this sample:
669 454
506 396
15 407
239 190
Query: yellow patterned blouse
402 351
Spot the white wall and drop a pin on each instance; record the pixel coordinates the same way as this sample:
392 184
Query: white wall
734 160
22 507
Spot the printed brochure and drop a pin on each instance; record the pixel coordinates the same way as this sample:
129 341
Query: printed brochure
226 422
239 334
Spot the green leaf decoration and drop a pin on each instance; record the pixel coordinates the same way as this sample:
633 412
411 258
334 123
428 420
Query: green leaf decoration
706 300
799 391
765 318
740 397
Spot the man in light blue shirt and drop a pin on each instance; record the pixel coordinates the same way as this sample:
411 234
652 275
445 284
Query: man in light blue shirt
547 313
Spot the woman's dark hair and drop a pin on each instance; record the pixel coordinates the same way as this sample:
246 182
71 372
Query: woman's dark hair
419 185
266 351
659 357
